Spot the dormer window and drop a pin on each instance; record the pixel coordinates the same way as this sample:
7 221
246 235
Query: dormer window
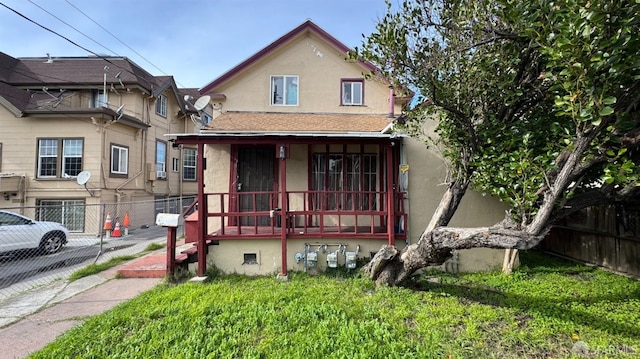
352 92
161 105
284 90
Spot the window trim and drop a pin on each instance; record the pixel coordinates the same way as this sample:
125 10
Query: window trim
60 165
95 99
161 105
284 93
121 149
358 202
185 165
74 221
164 162
345 81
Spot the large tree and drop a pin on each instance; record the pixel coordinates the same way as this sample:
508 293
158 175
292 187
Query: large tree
536 103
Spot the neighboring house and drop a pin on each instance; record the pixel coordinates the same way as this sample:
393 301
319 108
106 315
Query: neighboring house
104 117
302 169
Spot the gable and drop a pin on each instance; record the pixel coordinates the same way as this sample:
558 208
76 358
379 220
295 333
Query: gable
317 67
306 27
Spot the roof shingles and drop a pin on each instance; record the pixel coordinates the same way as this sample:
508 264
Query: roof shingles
297 122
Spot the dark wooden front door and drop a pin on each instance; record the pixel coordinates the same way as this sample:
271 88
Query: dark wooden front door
256 173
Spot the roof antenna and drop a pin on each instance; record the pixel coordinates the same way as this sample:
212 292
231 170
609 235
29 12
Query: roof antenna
49 59
119 112
57 98
117 76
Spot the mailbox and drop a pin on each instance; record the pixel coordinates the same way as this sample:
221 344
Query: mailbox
167 219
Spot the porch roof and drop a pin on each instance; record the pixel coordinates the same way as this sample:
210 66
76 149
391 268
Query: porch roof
278 122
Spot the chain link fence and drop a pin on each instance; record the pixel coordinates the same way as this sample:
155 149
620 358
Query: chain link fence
43 244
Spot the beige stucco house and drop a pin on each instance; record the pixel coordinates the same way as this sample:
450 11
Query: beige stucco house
302 169
103 118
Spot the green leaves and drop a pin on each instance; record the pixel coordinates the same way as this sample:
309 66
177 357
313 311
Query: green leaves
516 84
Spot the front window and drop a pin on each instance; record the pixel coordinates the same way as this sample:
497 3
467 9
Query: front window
161 157
59 157
189 164
119 159
349 179
161 106
284 90
352 93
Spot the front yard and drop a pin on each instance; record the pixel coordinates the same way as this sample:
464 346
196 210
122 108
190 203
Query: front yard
548 308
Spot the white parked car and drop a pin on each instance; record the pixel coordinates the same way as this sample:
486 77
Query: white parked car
18 232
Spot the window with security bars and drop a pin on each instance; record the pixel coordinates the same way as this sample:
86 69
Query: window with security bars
70 213
59 157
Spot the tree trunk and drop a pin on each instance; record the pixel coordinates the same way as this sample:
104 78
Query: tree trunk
387 267
448 204
391 267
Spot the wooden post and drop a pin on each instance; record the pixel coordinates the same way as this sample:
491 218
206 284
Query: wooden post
284 209
390 196
202 214
171 251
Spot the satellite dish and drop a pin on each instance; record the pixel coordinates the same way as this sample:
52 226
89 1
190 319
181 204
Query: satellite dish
202 102
83 177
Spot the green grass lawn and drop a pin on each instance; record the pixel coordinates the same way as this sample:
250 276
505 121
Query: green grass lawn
548 308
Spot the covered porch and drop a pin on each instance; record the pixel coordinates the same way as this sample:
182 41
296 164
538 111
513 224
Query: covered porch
289 186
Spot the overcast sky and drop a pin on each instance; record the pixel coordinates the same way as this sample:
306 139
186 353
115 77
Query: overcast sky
194 40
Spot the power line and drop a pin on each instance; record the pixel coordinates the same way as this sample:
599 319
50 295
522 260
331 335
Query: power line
115 37
80 32
74 43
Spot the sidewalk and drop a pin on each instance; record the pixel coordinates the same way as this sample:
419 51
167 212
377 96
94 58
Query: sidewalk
38 316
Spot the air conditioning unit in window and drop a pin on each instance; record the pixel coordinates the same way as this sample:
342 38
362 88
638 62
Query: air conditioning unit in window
161 174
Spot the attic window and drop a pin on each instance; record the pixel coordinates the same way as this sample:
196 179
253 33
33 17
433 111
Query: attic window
284 90
161 106
352 92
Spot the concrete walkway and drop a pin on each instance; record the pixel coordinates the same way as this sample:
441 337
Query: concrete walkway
62 306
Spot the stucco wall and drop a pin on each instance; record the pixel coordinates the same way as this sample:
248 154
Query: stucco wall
320 68
228 256
427 171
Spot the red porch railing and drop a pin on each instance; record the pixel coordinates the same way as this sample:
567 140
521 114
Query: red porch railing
311 214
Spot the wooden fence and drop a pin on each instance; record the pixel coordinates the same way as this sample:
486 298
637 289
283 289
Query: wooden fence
605 236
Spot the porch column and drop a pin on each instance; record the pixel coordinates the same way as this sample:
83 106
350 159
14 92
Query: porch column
202 213
284 206
390 195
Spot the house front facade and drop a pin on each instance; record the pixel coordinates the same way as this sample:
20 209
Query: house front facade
78 132
301 169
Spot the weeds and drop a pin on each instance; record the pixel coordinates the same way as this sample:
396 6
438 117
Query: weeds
97 268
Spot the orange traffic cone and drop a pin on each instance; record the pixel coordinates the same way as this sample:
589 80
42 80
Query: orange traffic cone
116 231
125 223
107 225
